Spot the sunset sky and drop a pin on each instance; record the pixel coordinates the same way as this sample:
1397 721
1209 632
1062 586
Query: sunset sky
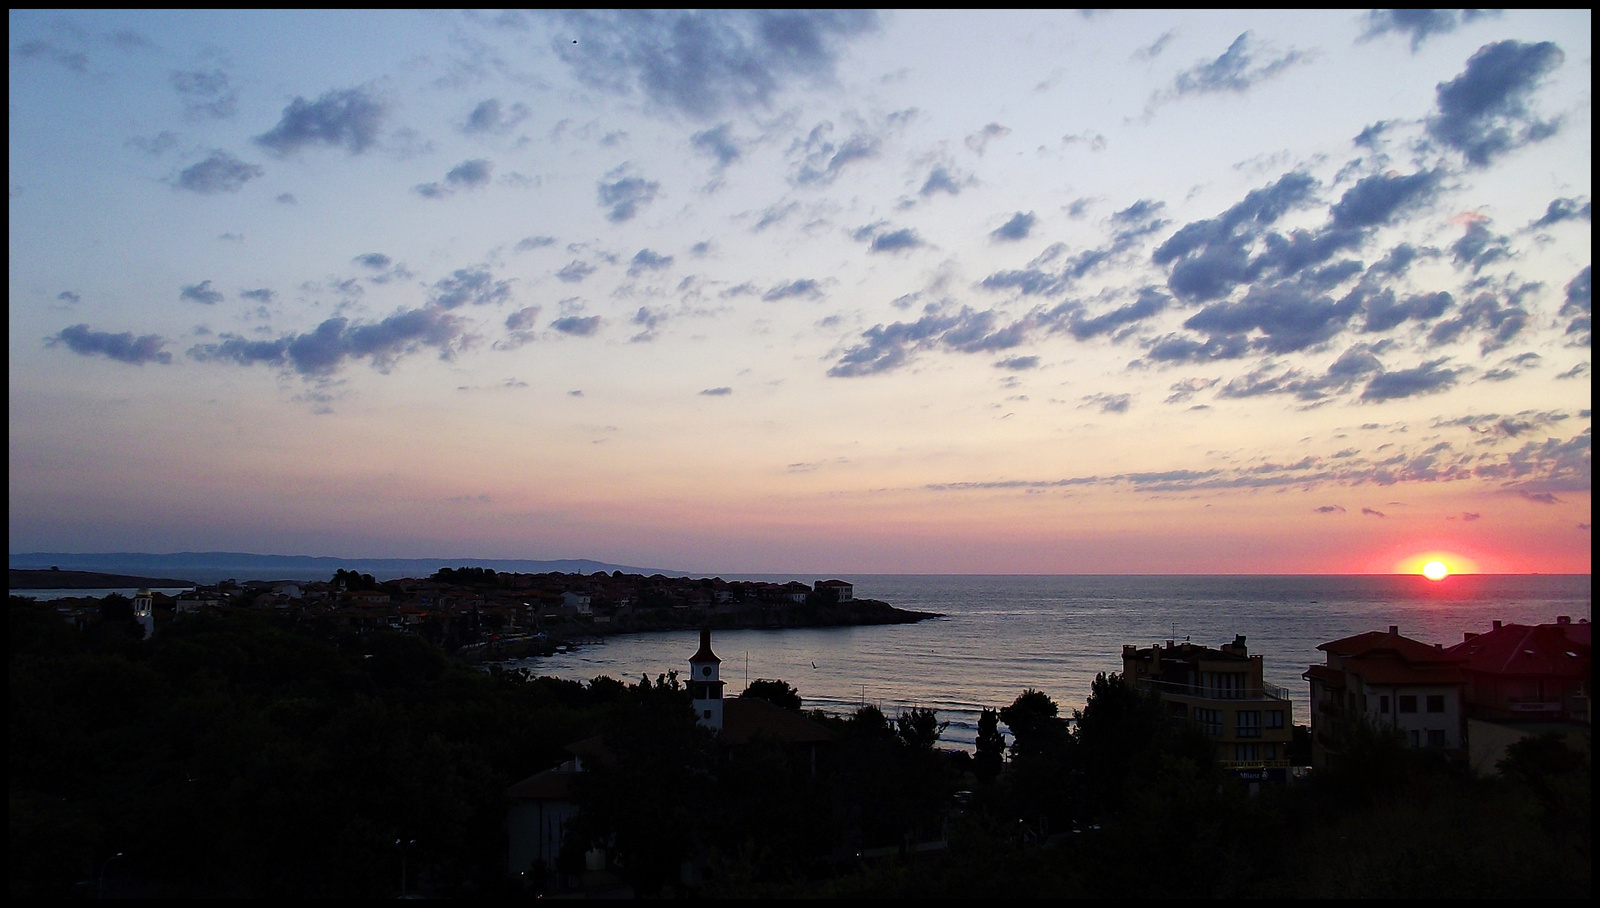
723 292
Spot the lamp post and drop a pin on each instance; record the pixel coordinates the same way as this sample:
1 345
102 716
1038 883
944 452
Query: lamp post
405 846
100 888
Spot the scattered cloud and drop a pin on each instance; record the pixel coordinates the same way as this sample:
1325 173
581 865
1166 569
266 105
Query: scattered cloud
1110 403
802 287
716 392
206 95
490 117
574 272
124 347
1483 112
1428 378
717 143
466 175
821 159
582 326
1018 363
1420 24
1242 66
624 196
1328 509
202 292
258 295
979 141
1372 512
1017 228
347 118
220 172
644 260
470 287
527 244
325 349
1562 210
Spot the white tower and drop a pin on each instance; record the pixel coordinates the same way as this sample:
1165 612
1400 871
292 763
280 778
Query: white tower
143 613
705 683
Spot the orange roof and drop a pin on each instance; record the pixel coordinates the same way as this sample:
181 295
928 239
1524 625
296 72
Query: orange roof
1520 649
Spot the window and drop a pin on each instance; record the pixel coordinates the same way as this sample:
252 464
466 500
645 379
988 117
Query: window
1249 723
1223 685
1274 718
1269 751
1414 738
1408 703
1210 721
1436 703
1383 704
1247 753
1435 737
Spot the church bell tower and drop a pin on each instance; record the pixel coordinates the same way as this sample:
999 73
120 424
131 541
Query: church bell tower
705 683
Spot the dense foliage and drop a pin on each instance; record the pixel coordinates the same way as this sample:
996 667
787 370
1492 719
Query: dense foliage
244 756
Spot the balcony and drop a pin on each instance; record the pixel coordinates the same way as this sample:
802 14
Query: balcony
1198 691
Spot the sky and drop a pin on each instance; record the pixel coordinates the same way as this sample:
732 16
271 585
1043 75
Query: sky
838 292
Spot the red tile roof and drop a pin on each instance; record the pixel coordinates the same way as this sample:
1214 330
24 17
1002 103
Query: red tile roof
1521 649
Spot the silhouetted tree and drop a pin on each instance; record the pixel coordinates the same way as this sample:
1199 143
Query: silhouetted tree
991 746
776 692
919 729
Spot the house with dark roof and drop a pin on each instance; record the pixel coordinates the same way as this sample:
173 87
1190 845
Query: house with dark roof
1523 680
1387 681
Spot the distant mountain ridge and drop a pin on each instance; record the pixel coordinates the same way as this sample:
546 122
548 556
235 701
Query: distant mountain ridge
209 567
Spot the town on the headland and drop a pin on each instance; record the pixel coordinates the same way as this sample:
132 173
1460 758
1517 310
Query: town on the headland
315 739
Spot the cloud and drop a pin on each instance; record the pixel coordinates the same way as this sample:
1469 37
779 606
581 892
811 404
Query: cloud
716 392
201 293
645 260
466 175
530 243
1479 247
1018 228
1384 312
806 287
979 141
344 118
221 172
1373 512
625 195
75 61
1018 363
206 95
1237 70
582 326
1110 403
124 347
940 179
67 296
822 160
1154 48
259 295
1483 112
1428 378
1562 210
522 319
574 272
286 198
1502 321
490 118
1376 199
1150 302
718 143
705 62
470 286
1577 305
1328 509
325 349
887 347
377 261
1420 24
895 240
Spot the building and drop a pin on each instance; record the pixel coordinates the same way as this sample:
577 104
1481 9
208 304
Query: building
1387 681
834 590
1523 680
705 683
1221 692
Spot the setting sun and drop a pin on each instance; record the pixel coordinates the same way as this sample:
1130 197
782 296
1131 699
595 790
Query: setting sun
1435 570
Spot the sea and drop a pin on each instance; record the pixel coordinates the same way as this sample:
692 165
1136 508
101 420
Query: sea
1002 635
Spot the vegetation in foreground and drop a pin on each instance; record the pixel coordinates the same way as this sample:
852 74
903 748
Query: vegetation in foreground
242 756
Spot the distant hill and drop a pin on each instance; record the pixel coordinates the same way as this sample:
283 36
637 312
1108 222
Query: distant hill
88 580
210 567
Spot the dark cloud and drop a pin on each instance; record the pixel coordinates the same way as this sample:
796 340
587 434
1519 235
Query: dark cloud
1420 24
1289 316
1501 320
888 347
534 242
1174 348
156 145
574 272
1483 112
470 286
1239 68
718 143
286 198
1479 247
940 179
325 349
645 260
124 347
716 392
1018 228
67 296
491 118
1328 509
344 118
1397 261
1210 257
1110 403
895 240
979 141
1018 363
1373 512
1376 199
1563 210
377 261
625 195
466 175
201 293
259 295
704 62
1184 391
76 61
582 326
821 159
1369 137
522 319
806 287
1154 48
1577 305
1150 302
1384 312
206 95
221 172
1427 378
1541 468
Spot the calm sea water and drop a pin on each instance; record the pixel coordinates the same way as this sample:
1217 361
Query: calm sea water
1004 634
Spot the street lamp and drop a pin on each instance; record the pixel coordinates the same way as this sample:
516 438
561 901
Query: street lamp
100 890
405 846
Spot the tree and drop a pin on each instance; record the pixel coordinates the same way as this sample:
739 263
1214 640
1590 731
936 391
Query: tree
773 691
919 728
991 746
1035 726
